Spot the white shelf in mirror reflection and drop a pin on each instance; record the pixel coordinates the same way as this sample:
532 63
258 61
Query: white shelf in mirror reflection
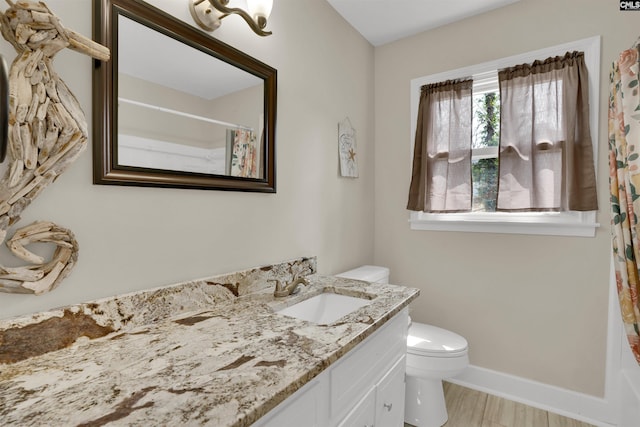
150 153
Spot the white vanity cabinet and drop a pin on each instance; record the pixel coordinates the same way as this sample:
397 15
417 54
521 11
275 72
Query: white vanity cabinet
383 405
365 388
305 408
364 414
390 397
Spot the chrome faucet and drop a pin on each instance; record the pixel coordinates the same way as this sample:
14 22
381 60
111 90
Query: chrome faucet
290 288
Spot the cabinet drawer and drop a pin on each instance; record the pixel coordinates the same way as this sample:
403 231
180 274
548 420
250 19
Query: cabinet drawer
363 366
390 397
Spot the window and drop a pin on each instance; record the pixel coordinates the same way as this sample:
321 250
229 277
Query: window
485 134
484 156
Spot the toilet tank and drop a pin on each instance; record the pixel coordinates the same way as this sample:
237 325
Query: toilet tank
368 273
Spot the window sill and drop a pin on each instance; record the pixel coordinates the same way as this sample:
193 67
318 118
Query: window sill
578 224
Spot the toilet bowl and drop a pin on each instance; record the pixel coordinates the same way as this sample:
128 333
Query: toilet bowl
433 354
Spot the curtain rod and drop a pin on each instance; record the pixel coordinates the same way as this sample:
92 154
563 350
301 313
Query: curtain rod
180 113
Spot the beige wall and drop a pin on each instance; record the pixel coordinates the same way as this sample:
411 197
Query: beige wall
134 238
542 315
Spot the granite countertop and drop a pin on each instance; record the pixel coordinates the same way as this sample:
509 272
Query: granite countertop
208 352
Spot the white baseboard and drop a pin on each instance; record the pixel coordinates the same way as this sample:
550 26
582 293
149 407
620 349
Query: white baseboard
630 398
579 406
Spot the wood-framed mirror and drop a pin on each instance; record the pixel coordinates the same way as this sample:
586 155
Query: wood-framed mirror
175 107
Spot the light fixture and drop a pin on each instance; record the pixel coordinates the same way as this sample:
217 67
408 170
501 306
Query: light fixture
209 13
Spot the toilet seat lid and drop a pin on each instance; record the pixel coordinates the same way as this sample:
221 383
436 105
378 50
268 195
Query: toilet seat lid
431 340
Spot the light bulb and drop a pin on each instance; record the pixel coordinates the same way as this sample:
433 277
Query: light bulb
260 10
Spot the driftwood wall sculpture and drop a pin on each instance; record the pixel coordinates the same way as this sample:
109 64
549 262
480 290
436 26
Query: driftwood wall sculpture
47 132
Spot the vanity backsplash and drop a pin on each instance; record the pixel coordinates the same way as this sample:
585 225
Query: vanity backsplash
33 335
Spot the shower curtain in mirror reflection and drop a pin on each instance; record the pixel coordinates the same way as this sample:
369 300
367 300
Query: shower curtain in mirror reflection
244 157
624 179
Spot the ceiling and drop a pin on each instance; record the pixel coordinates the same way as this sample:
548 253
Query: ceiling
384 21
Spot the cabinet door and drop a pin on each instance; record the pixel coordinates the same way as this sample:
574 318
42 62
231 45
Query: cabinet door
390 397
363 415
363 367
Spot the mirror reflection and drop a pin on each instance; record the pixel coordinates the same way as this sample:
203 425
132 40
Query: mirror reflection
178 108
173 115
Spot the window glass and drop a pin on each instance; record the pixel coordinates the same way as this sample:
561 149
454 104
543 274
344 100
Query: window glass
485 141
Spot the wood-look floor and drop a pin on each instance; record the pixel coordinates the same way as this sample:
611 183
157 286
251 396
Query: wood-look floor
471 408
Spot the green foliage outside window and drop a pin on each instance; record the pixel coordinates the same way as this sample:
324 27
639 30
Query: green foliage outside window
486 133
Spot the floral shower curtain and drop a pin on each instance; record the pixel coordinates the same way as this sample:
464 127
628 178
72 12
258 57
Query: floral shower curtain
624 179
244 157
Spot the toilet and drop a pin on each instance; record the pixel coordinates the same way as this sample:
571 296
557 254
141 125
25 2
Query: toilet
433 354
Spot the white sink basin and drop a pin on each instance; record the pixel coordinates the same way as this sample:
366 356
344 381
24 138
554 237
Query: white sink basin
324 308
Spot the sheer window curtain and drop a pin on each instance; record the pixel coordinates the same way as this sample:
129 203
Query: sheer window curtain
546 155
441 176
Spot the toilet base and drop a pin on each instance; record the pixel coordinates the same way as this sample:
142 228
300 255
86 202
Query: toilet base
424 404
